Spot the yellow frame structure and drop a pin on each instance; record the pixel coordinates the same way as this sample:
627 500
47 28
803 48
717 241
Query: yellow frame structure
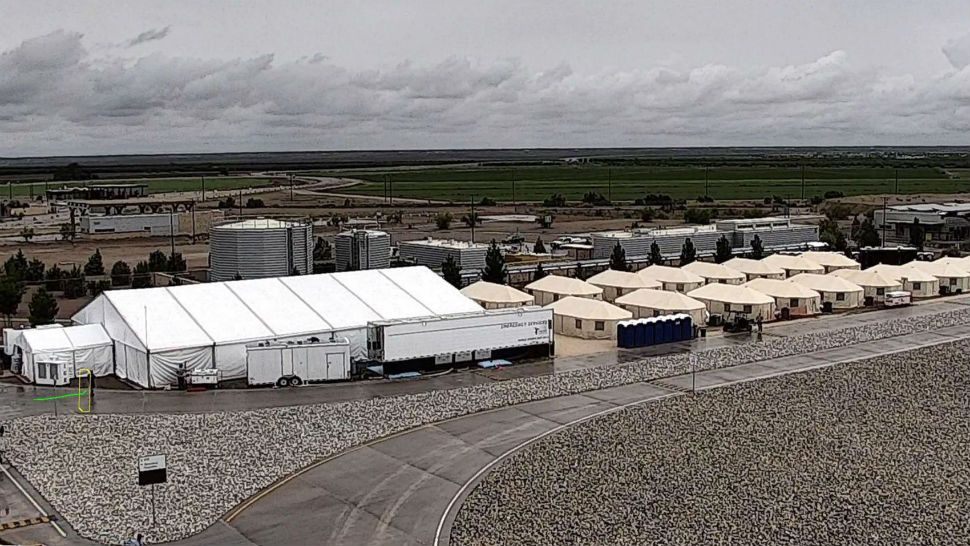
81 373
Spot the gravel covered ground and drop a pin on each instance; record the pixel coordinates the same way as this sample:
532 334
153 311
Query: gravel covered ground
872 452
86 465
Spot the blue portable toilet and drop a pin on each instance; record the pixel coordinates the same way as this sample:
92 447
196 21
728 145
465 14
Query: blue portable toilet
678 326
641 335
650 327
624 334
659 333
668 330
688 326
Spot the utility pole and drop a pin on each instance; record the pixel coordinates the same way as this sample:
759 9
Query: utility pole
390 189
514 205
896 190
885 201
171 227
707 181
240 203
385 188
609 185
473 218
803 182
291 187
203 188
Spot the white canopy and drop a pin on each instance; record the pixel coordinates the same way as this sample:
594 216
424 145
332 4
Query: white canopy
941 269
568 286
868 278
86 346
716 272
778 288
793 263
898 272
483 291
667 274
831 259
621 279
589 309
731 293
660 299
209 325
755 267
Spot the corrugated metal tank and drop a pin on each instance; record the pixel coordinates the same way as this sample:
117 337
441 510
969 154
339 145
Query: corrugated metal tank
260 248
362 249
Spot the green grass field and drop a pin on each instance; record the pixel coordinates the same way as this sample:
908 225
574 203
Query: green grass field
628 183
155 185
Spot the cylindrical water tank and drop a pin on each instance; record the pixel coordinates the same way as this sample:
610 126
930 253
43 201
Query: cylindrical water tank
261 247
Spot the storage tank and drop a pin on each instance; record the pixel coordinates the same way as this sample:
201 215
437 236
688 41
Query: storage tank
363 249
261 247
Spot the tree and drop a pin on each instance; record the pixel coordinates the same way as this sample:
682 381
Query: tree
580 271
917 235
237 277
322 251
539 272
554 200
724 252
16 266
67 232
495 270
142 276
120 274
176 263
35 271
451 271
74 286
757 248
157 261
539 247
42 307
656 257
443 220
95 265
867 234
618 258
470 218
11 294
27 233
831 234
688 253
697 216
54 278
647 214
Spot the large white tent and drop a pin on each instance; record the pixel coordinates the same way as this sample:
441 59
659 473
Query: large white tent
674 279
874 283
646 303
586 318
918 283
155 330
839 292
799 300
953 277
48 355
831 261
731 298
793 265
716 273
555 287
617 283
491 295
755 269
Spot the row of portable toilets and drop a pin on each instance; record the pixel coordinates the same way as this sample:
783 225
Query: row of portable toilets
654 331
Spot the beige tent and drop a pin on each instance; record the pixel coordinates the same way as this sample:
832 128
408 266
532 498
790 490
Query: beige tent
755 269
586 318
874 284
496 296
616 283
799 300
674 279
919 283
831 261
730 300
653 303
842 294
715 273
555 287
953 278
793 265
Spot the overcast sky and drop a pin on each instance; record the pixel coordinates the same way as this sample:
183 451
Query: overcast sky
92 77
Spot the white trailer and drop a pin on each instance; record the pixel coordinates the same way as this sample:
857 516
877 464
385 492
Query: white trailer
460 337
297 362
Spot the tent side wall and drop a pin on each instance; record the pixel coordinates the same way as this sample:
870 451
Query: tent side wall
683 288
955 283
566 325
806 306
851 300
716 307
922 289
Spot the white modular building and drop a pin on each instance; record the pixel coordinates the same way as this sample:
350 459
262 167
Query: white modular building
205 326
53 355
433 252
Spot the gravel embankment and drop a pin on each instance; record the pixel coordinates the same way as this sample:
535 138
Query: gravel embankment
85 465
873 452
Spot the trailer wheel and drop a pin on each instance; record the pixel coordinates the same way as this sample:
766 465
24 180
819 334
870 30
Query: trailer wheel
295 381
282 382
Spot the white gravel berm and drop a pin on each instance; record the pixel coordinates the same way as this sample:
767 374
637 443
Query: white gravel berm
85 465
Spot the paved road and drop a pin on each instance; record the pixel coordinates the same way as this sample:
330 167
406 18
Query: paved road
395 491
17 400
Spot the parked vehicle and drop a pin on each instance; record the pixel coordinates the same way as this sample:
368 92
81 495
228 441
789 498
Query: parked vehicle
898 299
296 363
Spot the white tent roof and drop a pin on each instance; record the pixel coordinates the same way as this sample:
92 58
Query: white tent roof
50 340
241 311
731 293
622 279
557 284
667 274
589 309
796 263
778 288
825 283
899 272
868 277
830 259
940 269
753 267
496 293
710 270
660 299
962 263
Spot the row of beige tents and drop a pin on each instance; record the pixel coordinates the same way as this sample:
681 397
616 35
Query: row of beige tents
800 285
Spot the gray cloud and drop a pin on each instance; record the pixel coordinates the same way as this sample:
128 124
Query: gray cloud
149 35
957 51
56 99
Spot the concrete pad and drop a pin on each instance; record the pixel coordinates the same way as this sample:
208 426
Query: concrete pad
437 452
565 408
498 431
628 393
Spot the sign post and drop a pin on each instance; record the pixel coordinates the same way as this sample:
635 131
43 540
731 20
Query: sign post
152 470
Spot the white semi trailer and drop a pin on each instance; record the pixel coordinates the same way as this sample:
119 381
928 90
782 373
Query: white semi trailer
460 337
297 363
